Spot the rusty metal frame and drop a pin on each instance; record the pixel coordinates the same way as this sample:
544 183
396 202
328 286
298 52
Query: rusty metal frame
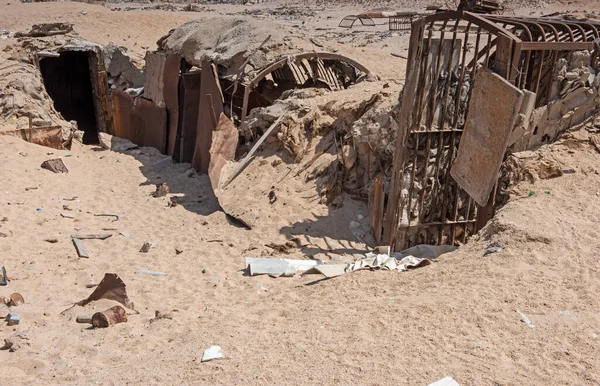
296 59
425 205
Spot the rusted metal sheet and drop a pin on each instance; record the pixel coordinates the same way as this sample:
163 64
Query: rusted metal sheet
99 80
154 77
210 107
493 111
122 108
171 98
50 136
149 124
222 149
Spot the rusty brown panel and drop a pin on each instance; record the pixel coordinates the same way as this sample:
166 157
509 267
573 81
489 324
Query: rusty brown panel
171 97
186 140
149 124
503 56
105 104
50 136
122 108
211 105
222 150
493 110
406 121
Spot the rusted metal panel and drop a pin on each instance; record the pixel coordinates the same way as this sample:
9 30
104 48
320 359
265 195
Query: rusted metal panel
154 77
122 108
102 105
50 136
210 107
149 124
171 98
493 111
222 150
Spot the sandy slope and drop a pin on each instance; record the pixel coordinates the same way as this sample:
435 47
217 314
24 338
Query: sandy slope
456 317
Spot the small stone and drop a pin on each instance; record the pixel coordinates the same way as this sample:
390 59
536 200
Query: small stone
354 224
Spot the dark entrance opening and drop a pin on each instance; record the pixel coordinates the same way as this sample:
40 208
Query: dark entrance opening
68 82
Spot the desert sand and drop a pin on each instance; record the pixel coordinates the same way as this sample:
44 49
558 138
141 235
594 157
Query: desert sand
457 317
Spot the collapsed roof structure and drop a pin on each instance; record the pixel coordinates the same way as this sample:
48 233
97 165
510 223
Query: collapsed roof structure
477 88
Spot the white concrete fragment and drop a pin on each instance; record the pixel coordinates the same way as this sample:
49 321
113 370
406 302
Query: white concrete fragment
212 353
448 381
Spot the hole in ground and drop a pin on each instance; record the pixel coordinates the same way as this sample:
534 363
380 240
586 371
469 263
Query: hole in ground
68 82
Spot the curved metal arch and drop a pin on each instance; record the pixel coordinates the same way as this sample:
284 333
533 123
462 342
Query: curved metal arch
296 58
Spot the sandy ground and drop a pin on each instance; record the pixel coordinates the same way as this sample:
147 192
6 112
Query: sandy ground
457 317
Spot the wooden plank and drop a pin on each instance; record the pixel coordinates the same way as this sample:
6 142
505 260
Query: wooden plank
378 206
171 96
81 251
493 111
205 126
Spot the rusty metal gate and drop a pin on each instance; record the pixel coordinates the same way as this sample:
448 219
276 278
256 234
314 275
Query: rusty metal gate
425 204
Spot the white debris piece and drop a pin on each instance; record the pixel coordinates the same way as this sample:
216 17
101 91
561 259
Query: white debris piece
212 353
448 381
525 320
285 267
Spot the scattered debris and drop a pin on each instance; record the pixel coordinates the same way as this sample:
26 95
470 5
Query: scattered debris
110 142
3 277
52 240
124 234
158 315
162 190
564 312
31 188
283 267
109 317
212 353
178 251
99 236
46 29
108 215
272 196
382 258
67 215
81 251
111 287
13 319
55 166
448 381
145 248
13 300
490 250
525 320
151 273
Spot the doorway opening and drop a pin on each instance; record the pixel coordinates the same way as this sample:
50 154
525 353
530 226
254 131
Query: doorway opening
68 82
